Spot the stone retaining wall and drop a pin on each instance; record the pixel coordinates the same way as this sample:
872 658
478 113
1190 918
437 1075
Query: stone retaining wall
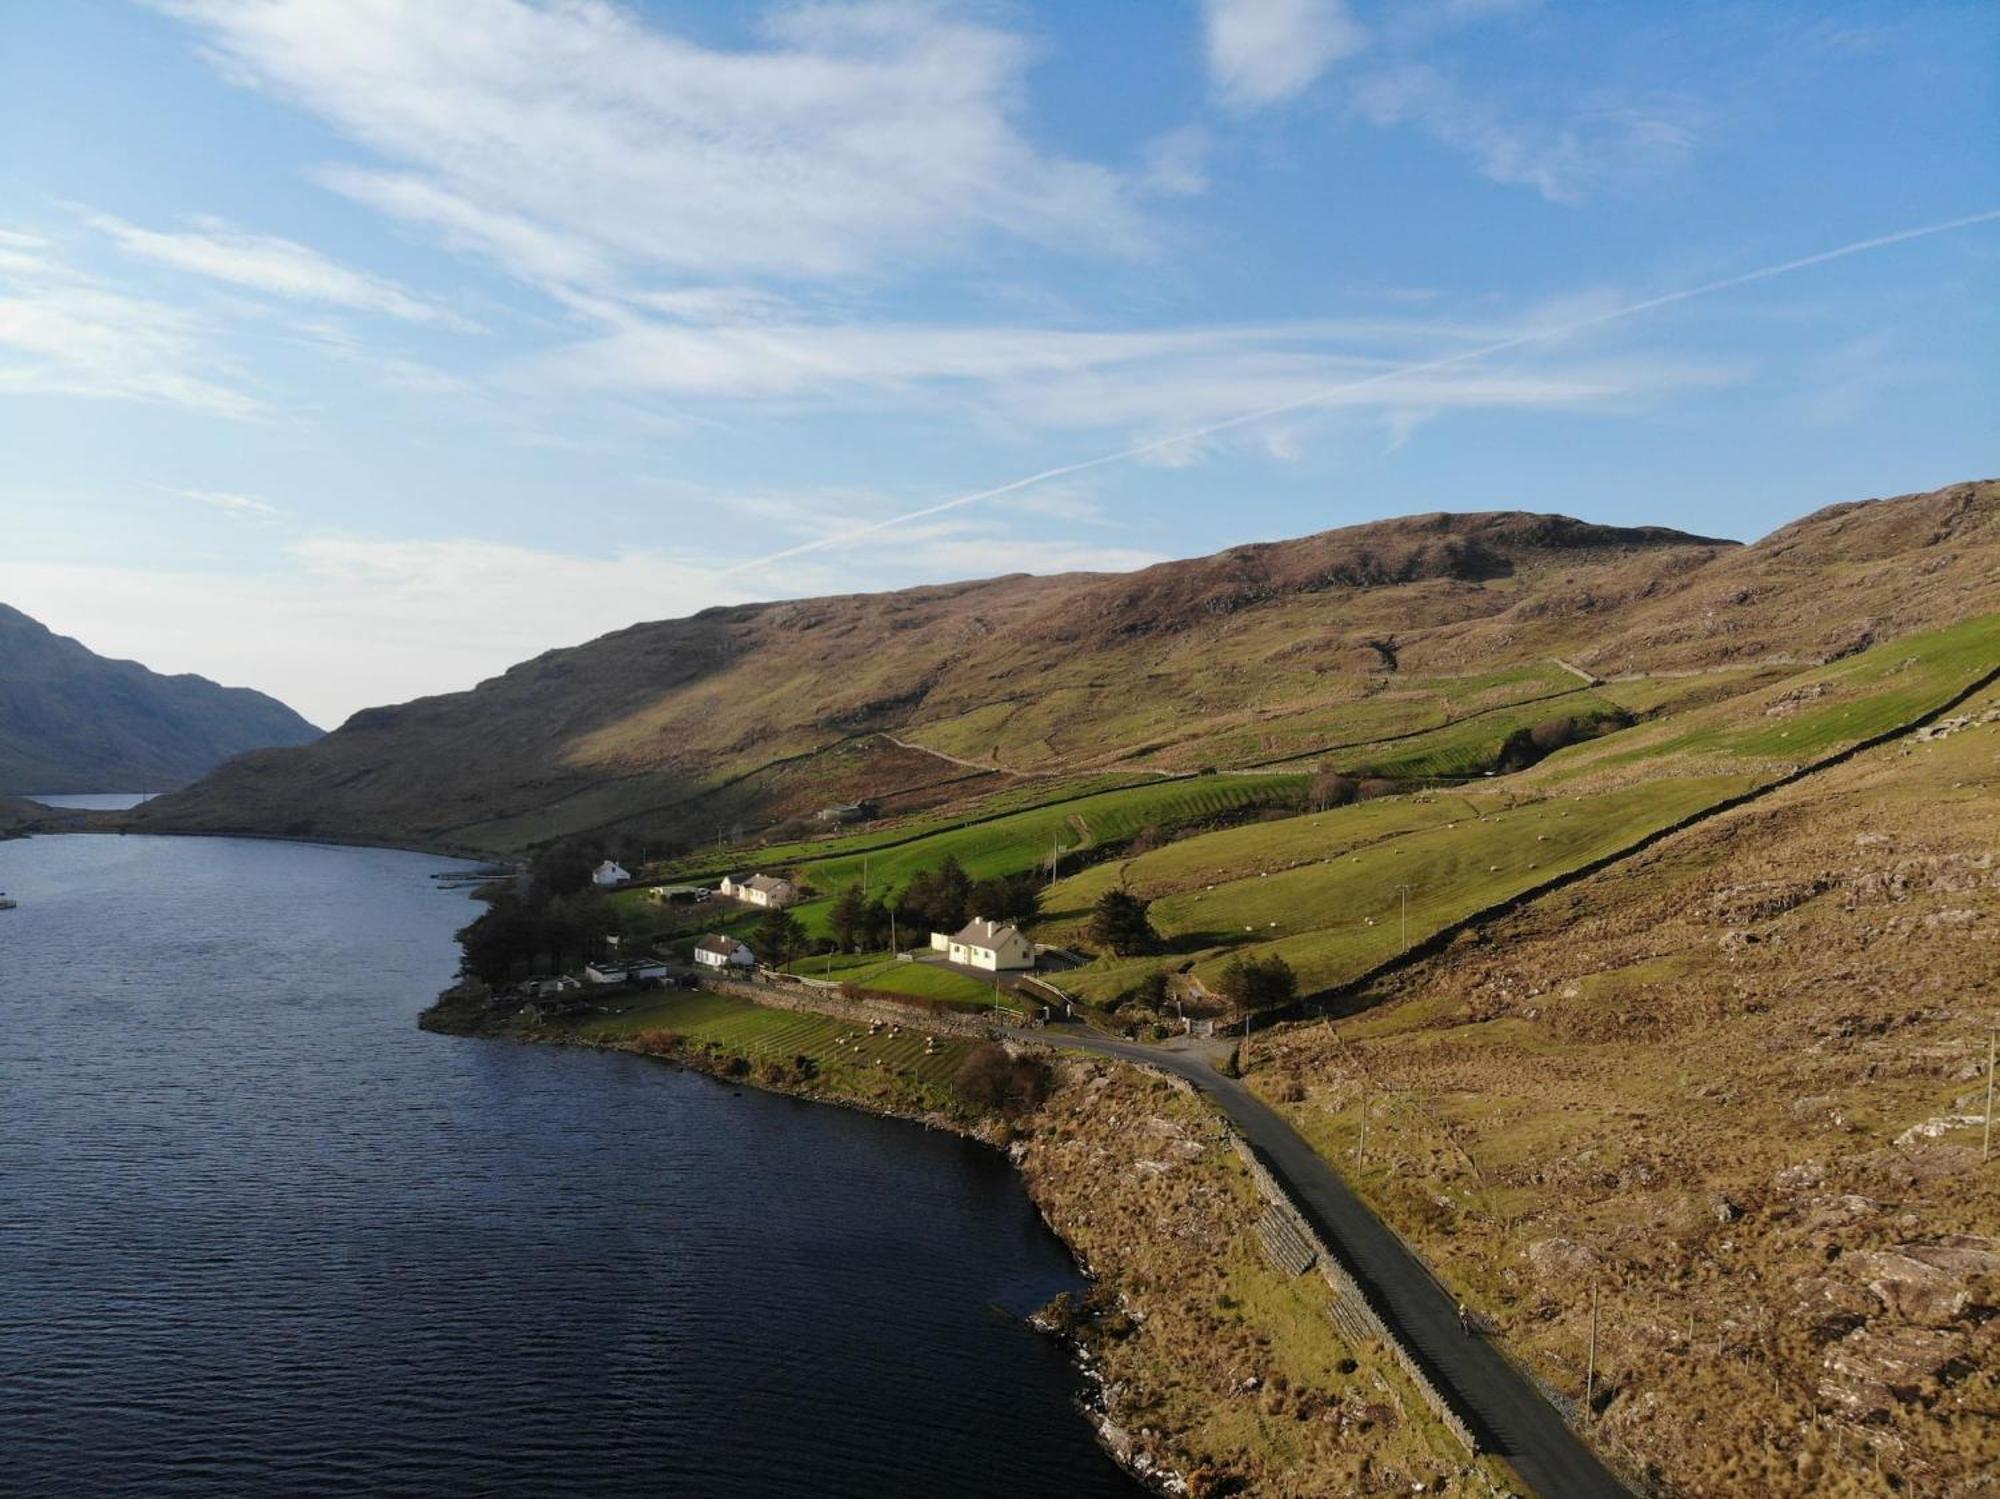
1352 1315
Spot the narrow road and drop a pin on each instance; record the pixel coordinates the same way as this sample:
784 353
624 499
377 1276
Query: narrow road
1509 1415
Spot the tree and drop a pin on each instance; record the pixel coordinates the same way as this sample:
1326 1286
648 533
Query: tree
563 868
779 938
937 899
846 917
504 940
1119 922
1331 789
876 927
1258 983
1014 897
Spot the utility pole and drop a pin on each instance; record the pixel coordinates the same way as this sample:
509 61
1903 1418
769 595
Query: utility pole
1986 1148
893 949
1244 1064
1406 916
1590 1374
1361 1154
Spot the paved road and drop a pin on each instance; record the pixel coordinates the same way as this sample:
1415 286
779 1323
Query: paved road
1508 1413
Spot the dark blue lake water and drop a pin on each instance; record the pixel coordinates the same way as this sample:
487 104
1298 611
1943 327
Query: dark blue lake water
260 1235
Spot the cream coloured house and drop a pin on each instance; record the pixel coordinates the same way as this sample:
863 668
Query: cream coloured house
759 889
992 945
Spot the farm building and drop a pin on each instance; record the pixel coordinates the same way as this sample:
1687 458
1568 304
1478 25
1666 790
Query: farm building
609 874
723 952
992 945
624 971
759 889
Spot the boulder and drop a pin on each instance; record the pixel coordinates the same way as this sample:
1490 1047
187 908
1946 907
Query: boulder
1561 1259
1914 1289
1871 1370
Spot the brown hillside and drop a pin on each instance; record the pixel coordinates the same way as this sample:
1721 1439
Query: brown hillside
740 715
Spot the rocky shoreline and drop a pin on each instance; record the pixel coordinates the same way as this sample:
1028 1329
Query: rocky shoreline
1207 1371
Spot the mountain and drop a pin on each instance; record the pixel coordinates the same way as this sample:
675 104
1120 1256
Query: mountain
71 720
742 716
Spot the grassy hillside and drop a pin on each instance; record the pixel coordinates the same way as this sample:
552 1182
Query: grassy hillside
1327 891
739 718
1736 1085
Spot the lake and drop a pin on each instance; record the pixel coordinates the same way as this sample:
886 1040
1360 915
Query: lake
263 1236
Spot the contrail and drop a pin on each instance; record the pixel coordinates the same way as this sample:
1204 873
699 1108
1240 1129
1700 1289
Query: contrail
1331 392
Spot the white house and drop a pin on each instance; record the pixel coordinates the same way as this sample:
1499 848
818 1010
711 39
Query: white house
759 889
992 945
723 952
609 874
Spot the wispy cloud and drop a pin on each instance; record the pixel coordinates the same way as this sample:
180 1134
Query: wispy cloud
579 144
1141 381
1604 141
65 334
266 263
1263 51
246 505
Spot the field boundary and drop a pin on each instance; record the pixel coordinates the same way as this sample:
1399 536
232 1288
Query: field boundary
1313 1005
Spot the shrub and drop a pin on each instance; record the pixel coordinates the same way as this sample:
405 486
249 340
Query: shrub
1258 983
993 1079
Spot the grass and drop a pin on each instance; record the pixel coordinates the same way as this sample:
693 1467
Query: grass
1814 713
1038 792
881 1067
1022 840
1619 1057
1337 917
920 980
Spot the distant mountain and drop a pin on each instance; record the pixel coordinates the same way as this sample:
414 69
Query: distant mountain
71 720
683 729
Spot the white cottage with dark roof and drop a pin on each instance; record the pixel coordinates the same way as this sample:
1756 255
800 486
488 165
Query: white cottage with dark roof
992 945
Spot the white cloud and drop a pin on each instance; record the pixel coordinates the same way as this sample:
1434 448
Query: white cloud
230 503
1146 382
66 335
1177 163
265 263
1265 51
579 144
1604 142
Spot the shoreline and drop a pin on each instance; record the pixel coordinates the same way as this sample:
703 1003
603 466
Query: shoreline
1207 1367
1091 1404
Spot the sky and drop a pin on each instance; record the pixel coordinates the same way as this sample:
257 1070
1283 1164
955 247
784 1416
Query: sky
354 350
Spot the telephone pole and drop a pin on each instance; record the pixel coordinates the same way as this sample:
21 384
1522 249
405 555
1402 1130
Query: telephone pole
1406 916
1590 1374
1986 1148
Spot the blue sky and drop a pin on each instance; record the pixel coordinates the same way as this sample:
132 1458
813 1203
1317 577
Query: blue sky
355 349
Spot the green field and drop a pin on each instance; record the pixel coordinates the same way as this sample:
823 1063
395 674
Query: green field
1337 917
1037 792
919 980
1265 847
846 1055
1812 713
1370 717
1022 840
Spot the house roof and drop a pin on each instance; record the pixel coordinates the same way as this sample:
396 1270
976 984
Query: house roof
610 864
766 883
980 932
722 947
